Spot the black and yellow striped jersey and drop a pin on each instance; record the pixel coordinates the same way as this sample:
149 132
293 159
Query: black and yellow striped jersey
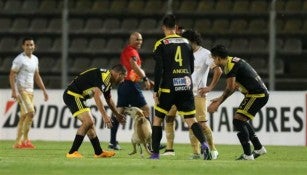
174 61
246 77
87 80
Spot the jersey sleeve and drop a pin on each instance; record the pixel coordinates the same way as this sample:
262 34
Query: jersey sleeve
233 72
157 55
37 65
17 64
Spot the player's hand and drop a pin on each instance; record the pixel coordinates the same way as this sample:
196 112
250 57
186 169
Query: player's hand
155 97
152 83
203 91
215 103
149 84
15 96
107 122
121 118
46 97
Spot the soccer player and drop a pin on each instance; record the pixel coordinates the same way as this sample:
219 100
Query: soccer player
130 91
240 75
91 84
202 64
173 84
23 74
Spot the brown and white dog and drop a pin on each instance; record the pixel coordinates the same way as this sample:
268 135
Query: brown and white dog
141 130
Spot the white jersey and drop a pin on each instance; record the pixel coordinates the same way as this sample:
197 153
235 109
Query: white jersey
25 68
202 64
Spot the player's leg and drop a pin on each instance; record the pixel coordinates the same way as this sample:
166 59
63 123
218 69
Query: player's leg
113 144
208 134
122 101
99 153
91 134
161 109
186 107
82 112
201 117
18 142
239 121
195 145
258 103
259 149
87 123
193 140
170 131
27 113
197 131
156 136
26 128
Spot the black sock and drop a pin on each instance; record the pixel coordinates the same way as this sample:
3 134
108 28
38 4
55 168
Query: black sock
96 145
156 138
114 129
197 131
253 138
245 144
243 135
76 144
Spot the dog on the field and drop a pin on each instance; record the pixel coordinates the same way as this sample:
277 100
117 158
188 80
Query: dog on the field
141 130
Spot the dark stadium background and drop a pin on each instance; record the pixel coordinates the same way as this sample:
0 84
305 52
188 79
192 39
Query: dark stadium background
99 29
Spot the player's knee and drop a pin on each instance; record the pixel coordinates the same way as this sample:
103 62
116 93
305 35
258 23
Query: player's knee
238 124
88 124
30 114
91 133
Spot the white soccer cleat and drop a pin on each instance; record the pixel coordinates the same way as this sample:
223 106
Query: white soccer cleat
259 152
214 154
246 157
169 152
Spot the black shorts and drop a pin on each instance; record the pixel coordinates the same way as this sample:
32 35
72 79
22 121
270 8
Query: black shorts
184 101
75 102
252 103
130 94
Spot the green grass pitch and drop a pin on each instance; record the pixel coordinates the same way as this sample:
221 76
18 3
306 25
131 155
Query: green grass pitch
49 159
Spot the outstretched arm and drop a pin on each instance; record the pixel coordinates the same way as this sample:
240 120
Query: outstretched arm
106 118
120 117
230 88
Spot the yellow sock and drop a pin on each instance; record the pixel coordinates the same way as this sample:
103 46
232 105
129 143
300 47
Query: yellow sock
194 142
170 134
208 134
26 127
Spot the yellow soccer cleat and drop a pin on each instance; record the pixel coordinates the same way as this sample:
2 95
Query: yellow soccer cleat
75 154
105 154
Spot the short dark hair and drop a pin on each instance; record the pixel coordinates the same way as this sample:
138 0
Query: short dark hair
27 38
220 51
169 21
119 68
193 36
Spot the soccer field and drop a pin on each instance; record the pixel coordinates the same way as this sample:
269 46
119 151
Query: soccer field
49 158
